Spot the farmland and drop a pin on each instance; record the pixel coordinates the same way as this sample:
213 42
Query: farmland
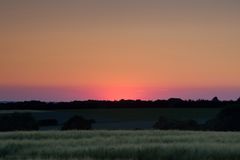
120 144
118 118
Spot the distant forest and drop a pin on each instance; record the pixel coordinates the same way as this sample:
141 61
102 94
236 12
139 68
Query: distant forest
170 103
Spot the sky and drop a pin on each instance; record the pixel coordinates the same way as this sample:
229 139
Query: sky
56 50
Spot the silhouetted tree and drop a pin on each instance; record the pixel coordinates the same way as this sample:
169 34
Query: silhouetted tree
215 99
78 123
227 120
238 100
17 122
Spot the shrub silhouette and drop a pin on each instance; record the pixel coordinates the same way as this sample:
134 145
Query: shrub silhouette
238 100
227 120
167 124
215 99
18 122
78 123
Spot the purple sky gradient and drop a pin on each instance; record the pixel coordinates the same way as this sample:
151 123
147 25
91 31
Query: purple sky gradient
70 94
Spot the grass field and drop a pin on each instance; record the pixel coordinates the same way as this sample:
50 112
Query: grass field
139 145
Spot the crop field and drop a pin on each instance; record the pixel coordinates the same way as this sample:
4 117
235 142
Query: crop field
120 144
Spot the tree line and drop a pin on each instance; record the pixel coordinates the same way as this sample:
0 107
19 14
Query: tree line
170 103
227 120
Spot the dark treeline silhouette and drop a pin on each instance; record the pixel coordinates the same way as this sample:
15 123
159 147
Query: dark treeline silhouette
18 122
227 120
170 103
26 122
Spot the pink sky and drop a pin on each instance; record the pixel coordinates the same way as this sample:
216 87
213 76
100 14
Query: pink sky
70 94
131 49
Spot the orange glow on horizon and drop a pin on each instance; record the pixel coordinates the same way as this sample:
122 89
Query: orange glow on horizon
118 93
118 49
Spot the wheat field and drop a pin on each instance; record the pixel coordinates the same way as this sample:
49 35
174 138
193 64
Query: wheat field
129 145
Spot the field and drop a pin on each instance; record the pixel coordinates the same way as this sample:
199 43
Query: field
139 145
129 118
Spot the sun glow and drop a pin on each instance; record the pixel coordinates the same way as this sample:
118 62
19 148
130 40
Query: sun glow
118 93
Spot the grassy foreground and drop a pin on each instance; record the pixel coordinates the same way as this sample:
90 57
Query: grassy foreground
139 145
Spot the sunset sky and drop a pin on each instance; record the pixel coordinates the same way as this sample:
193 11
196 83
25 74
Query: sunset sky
57 50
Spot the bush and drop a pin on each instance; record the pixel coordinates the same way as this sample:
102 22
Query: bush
78 123
227 120
18 122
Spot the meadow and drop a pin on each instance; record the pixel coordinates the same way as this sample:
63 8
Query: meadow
120 144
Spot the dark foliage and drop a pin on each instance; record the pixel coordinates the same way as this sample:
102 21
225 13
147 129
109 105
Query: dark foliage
18 122
227 120
48 122
169 124
78 123
238 100
171 103
215 99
